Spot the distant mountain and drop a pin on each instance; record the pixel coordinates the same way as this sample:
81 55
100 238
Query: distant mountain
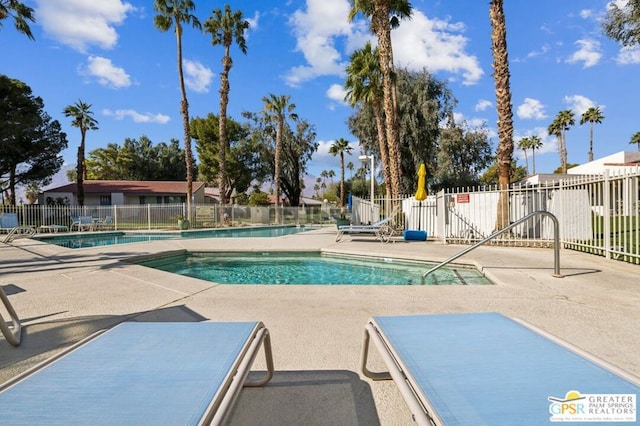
58 179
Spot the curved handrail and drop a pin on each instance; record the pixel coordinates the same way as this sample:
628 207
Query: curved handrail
556 243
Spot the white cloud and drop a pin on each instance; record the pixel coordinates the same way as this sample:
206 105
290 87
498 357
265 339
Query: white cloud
588 53
106 73
326 38
337 93
628 55
436 45
316 30
544 49
197 76
147 117
483 104
253 22
531 109
80 23
586 13
578 104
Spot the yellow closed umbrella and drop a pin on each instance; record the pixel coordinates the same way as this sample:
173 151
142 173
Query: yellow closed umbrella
421 193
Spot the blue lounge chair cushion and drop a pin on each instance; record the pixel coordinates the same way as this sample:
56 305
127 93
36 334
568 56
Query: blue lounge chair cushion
135 373
485 368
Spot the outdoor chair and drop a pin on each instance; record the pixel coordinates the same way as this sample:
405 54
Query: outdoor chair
10 225
382 230
485 368
157 373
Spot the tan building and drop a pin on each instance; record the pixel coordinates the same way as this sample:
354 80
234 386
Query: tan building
119 192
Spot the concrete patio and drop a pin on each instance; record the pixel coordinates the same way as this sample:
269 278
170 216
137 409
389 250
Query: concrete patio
63 295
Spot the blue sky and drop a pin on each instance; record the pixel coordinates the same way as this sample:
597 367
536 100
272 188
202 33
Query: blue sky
109 54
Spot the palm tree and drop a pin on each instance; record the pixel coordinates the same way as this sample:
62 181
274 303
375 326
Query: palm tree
20 14
385 15
224 29
554 130
31 193
635 139
82 119
524 144
591 115
364 84
277 109
559 128
350 166
534 143
339 147
176 13
503 105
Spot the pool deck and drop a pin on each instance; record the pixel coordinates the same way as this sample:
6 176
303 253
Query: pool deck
63 295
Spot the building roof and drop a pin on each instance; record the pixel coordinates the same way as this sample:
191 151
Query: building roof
129 187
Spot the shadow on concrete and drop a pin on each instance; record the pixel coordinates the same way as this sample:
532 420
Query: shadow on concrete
44 339
310 397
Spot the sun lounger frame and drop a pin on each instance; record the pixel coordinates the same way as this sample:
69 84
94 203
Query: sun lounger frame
12 336
422 409
222 402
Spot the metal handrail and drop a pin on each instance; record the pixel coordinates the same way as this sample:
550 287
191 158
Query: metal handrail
556 243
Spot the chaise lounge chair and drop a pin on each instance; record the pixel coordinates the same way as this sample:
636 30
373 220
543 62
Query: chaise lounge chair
382 230
141 373
9 224
485 368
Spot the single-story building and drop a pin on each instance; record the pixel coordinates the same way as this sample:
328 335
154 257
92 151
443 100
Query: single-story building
119 192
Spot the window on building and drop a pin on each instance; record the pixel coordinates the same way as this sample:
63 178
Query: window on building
105 200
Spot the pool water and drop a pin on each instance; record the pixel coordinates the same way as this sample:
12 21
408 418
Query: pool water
75 241
308 268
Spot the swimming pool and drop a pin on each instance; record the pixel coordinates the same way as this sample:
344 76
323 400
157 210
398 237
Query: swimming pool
76 241
308 268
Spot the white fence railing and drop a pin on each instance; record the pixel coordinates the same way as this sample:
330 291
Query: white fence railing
170 216
598 214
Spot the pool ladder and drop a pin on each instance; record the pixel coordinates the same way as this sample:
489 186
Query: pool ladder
556 244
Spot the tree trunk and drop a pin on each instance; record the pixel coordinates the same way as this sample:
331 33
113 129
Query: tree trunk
382 28
278 166
382 145
591 142
184 110
224 101
504 110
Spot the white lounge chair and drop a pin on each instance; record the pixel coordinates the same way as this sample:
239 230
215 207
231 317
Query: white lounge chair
484 368
142 373
382 230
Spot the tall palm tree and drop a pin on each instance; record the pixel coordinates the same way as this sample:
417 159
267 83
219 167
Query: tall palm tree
535 143
20 14
554 130
82 119
224 29
350 166
364 85
501 77
176 13
559 128
524 144
635 139
340 147
278 109
591 115
386 15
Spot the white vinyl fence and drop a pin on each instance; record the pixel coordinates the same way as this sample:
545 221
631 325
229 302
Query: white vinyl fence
598 214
